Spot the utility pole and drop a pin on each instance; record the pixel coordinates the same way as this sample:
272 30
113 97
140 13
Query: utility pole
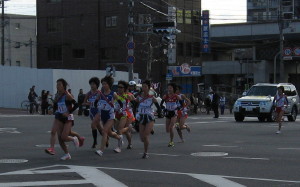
2 30
281 40
130 36
30 44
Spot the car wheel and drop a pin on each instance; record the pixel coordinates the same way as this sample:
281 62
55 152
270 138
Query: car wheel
239 117
261 119
293 115
272 115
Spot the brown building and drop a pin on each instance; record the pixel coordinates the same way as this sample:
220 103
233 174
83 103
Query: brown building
76 34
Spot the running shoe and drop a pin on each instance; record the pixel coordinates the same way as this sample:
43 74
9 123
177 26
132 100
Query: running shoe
99 152
66 157
129 146
171 144
117 150
76 142
50 151
81 141
188 128
278 132
120 141
145 156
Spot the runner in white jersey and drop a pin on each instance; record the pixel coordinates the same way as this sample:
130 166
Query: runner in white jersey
172 106
182 114
280 101
145 115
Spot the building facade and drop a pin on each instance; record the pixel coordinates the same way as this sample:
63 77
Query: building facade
93 34
20 41
268 10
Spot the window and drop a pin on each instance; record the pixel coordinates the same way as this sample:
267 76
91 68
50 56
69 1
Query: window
53 1
54 24
55 53
18 63
17 25
196 17
188 17
179 15
188 49
111 21
180 49
293 91
78 53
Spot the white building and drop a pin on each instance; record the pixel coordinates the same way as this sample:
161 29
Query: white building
19 40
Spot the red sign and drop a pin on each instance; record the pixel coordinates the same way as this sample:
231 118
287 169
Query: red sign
297 51
287 51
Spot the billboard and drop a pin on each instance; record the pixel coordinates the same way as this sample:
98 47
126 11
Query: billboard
185 71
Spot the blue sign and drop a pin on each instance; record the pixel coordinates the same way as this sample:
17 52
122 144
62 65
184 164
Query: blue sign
205 32
130 59
192 71
169 76
130 45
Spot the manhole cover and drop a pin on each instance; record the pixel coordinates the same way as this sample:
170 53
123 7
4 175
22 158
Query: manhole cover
208 154
46 145
12 161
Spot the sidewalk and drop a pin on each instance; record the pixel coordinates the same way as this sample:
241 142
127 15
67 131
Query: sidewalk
13 111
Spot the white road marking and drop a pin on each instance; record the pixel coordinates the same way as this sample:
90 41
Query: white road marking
9 130
179 173
290 148
91 175
158 154
246 158
226 146
216 180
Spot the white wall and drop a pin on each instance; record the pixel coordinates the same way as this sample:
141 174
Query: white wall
16 81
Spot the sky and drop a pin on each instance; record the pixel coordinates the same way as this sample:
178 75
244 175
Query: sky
221 11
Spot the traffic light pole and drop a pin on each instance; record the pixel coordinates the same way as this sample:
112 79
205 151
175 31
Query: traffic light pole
2 37
130 36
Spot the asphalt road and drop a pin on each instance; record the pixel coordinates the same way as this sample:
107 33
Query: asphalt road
217 152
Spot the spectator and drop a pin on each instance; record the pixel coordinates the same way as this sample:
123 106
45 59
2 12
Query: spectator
44 104
207 103
230 103
32 99
215 103
222 104
80 100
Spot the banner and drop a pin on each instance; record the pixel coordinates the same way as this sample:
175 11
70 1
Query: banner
205 32
185 71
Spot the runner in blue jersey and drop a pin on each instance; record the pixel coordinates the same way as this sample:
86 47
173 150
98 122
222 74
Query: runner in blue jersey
91 101
107 114
63 102
64 119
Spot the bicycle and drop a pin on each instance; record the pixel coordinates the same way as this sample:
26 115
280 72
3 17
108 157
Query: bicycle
25 105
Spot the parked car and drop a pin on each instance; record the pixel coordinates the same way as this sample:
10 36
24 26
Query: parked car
258 102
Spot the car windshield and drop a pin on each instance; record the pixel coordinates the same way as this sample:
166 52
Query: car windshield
262 91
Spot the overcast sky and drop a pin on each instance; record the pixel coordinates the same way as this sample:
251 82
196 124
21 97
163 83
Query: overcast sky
221 11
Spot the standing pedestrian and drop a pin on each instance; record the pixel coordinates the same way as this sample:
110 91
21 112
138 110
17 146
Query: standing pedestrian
44 103
32 99
222 104
80 100
215 103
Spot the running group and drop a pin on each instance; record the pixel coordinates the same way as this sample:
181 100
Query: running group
113 113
